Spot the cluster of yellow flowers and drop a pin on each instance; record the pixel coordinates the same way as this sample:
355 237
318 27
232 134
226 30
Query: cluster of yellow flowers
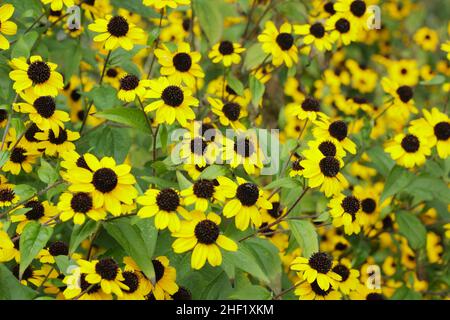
98 200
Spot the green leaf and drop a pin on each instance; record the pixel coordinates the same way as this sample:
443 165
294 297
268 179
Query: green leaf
381 161
161 183
251 292
104 97
72 61
437 80
47 173
24 191
4 155
11 288
244 259
257 89
128 116
235 84
81 232
397 180
183 182
33 238
24 44
138 245
287 183
213 171
412 229
65 264
111 142
306 236
210 18
427 187
404 293
254 56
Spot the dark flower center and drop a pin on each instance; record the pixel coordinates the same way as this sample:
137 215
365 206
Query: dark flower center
244 147
80 115
342 25
296 165
173 96
328 149
27 274
285 41
276 210
182 294
247 194
359 100
230 90
118 26
340 246
387 223
311 104
204 188
3 115
6 195
111 73
84 285
358 8
81 163
318 290
198 146
442 130
186 24
410 143
81 202
159 269
45 106
58 248
329 8
18 155
168 200
351 205
131 280
329 166
129 82
105 180
57 140
320 261
38 72
343 271
231 110
368 205
182 62
107 268
55 13
405 93
338 130
226 48
374 296
317 30
206 232
36 212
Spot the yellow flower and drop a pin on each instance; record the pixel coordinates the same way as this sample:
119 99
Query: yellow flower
77 206
181 65
106 273
227 52
21 157
37 74
165 277
335 131
7 249
131 87
35 210
202 192
42 111
173 101
160 4
56 144
57 5
427 38
138 285
246 202
116 31
229 113
57 248
110 184
307 108
202 235
280 44
165 205
408 150
341 28
7 195
435 126
6 27
244 149
314 35
312 291
318 267
345 211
